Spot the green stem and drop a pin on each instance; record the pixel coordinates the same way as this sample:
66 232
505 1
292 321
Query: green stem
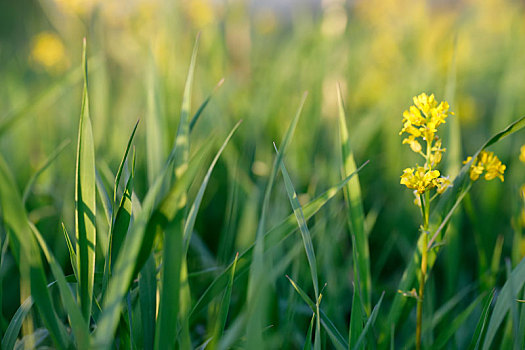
425 201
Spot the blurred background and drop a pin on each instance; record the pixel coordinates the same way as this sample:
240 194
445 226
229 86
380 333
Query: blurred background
381 52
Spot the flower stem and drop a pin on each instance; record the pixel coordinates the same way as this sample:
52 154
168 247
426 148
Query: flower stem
424 258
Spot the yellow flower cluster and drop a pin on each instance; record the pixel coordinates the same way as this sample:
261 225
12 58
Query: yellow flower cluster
486 162
420 122
522 153
422 179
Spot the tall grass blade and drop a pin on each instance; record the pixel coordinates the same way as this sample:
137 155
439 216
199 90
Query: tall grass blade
85 201
194 209
504 301
337 339
356 217
443 338
43 168
222 316
78 325
148 301
257 279
11 333
27 255
369 323
482 322
71 250
308 339
155 134
307 241
203 105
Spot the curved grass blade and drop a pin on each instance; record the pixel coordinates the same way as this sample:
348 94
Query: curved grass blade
356 217
78 325
308 339
307 240
197 114
369 323
72 254
104 195
192 215
11 333
257 279
504 302
451 329
222 316
43 168
337 339
85 201
27 255
122 218
272 238
123 161
480 328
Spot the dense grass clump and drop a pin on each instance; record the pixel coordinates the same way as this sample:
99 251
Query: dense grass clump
179 190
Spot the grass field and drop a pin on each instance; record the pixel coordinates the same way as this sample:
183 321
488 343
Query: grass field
233 174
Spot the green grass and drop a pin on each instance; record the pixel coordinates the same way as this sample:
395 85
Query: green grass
175 225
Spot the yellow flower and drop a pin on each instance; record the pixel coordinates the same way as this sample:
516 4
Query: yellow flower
442 184
48 51
489 163
422 120
419 179
522 153
414 144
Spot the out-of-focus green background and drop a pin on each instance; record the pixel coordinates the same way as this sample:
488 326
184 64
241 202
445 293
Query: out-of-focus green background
381 52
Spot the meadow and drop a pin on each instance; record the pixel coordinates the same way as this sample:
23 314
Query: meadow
262 175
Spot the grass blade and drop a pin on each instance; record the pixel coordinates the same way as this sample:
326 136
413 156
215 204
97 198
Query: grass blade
123 161
356 217
197 114
27 255
192 215
148 302
43 168
85 200
257 278
307 240
223 309
369 323
451 329
155 134
72 254
78 325
480 328
337 339
272 238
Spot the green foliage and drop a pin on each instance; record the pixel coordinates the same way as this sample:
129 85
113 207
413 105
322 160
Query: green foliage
178 232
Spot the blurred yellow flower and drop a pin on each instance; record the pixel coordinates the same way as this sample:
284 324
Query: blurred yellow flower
489 163
200 12
522 153
48 51
420 179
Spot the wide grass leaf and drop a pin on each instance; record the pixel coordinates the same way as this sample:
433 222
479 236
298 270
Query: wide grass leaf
85 201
